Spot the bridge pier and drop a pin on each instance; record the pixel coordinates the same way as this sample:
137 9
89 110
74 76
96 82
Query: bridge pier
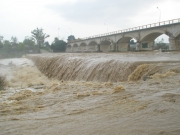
145 45
122 47
69 49
98 48
138 46
174 43
116 47
113 47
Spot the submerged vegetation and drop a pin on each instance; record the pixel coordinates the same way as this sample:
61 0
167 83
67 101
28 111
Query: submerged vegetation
2 82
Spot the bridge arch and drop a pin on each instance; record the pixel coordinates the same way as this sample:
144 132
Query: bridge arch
69 48
75 48
177 34
106 45
148 40
152 34
82 47
132 36
92 46
123 43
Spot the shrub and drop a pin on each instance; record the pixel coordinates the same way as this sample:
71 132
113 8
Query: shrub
2 82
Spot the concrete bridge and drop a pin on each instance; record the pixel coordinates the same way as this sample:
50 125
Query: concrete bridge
118 41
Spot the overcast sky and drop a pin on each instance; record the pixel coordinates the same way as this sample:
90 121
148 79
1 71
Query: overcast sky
80 18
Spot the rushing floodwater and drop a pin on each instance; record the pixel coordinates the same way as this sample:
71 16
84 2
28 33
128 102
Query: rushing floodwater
89 94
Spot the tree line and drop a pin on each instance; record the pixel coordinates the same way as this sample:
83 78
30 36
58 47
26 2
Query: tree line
31 44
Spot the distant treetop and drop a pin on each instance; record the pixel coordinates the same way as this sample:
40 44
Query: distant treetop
71 37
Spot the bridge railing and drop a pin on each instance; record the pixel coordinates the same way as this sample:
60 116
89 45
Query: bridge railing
134 28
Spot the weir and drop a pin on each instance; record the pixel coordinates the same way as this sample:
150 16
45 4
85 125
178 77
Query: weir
99 67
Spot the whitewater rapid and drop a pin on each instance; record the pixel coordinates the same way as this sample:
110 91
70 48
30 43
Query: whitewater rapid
99 67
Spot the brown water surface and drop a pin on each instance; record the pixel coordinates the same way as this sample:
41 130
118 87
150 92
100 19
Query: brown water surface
106 94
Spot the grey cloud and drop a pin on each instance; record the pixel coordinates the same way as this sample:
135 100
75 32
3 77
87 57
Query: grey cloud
100 11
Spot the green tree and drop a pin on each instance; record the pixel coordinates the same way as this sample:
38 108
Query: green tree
47 44
1 38
39 36
14 41
21 46
161 44
29 41
132 41
162 40
1 41
71 38
7 45
58 45
1 45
